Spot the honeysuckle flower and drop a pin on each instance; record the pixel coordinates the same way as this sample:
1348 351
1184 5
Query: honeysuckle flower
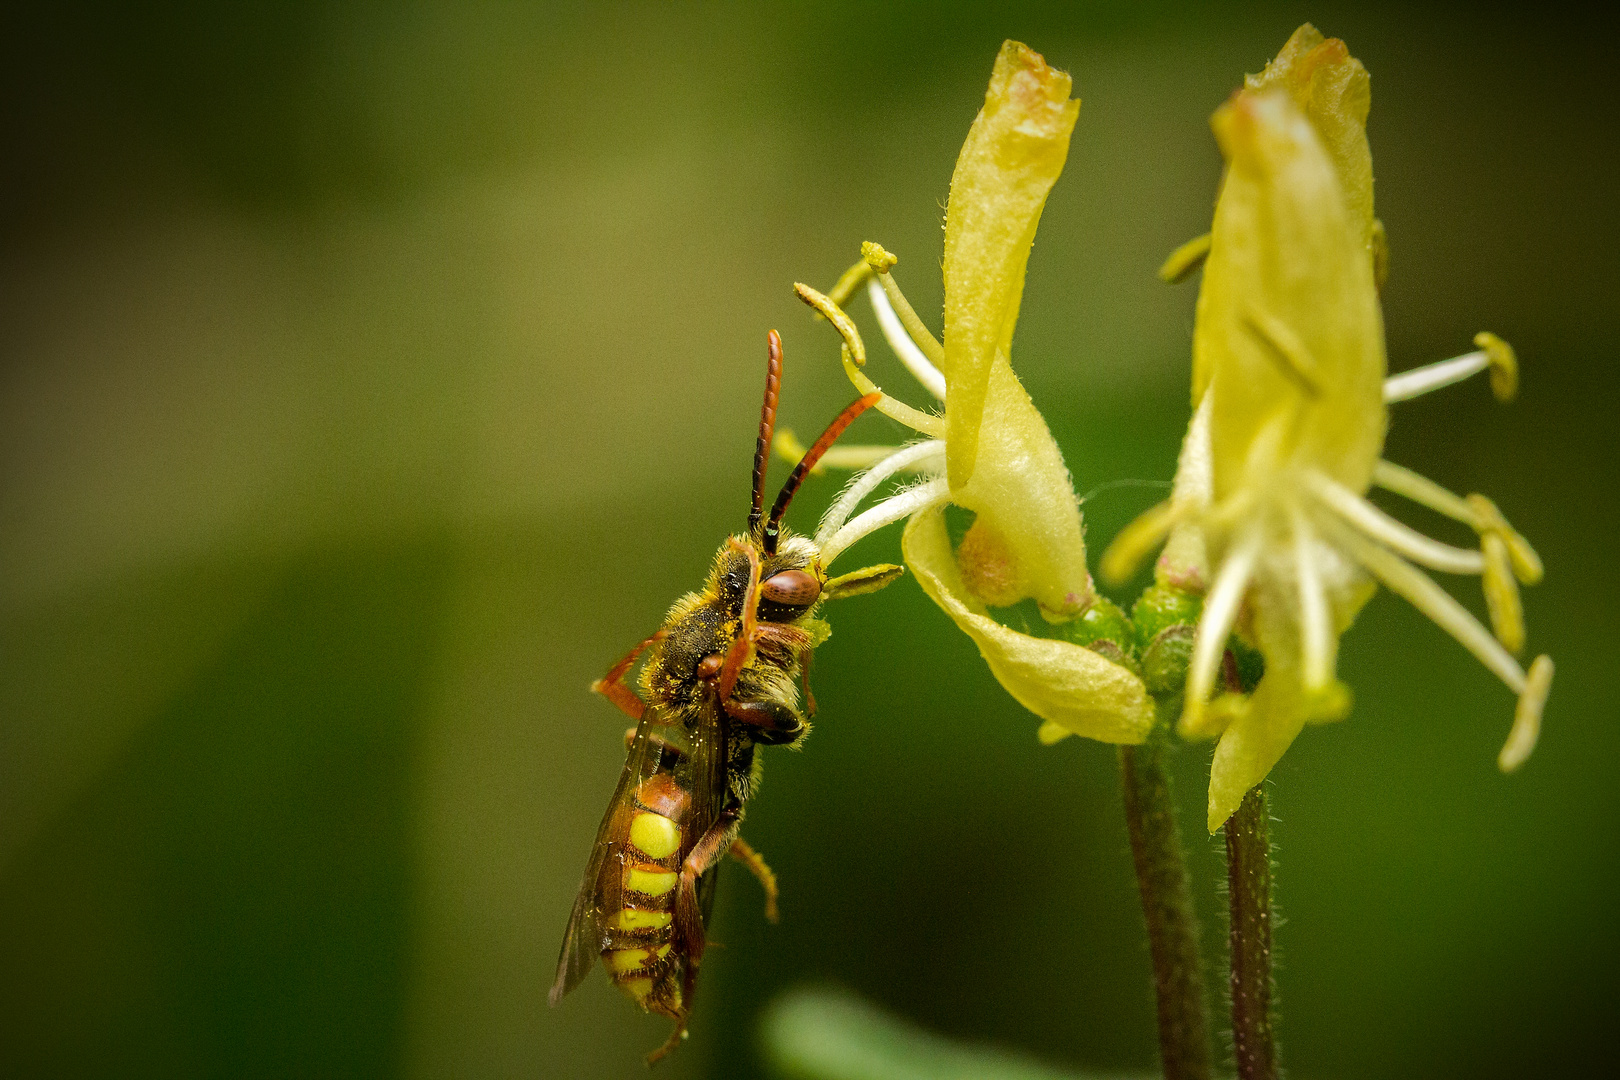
991 452
1290 389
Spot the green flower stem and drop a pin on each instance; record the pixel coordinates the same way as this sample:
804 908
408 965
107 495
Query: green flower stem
1172 925
1248 873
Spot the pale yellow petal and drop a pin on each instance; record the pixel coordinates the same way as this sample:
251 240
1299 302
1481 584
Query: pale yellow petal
1289 332
1254 741
1185 561
1022 491
1012 156
1061 683
1334 91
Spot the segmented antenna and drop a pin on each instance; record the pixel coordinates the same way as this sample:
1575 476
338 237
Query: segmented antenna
767 426
808 462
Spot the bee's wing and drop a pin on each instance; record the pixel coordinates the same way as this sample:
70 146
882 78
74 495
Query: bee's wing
583 940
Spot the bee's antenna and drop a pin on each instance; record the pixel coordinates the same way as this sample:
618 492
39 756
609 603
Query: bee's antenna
808 462
767 425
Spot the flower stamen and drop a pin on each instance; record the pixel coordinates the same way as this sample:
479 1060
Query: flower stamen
1492 353
1316 622
1220 614
1527 717
1367 518
922 455
854 357
903 343
911 501
1419 590
855 456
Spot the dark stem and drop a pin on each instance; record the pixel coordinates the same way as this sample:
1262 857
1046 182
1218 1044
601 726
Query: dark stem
1248 875
1161 875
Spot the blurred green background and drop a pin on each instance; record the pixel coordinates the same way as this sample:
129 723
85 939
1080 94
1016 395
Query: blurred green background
375 374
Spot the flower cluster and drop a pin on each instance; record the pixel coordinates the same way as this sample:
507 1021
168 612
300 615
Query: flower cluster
991 452
1269 519
1268 524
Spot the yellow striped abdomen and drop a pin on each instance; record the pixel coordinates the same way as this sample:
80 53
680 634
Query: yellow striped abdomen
637 937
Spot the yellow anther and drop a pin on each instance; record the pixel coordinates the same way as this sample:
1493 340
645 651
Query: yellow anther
620 961
1214 718
1502 593
835 315
1185 259
883 261
877 258
848 282
791 450
1504 364
1526 563
858 456
1527 717
631 919
651 882
1051 732
1380 254
867 579
932 426
655 835
1137 541
1329 704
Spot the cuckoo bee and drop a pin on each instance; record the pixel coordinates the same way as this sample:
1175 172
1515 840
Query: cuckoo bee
720 678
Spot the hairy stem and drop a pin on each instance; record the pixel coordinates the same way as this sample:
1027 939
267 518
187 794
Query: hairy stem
1172 925
1248 873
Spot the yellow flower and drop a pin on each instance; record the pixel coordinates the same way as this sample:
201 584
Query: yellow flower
997 457
1289 382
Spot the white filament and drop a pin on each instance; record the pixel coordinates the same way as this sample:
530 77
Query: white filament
1419 381
887 512
1367 518
894 332
907 457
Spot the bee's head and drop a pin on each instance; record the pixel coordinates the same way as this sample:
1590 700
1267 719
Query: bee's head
790 579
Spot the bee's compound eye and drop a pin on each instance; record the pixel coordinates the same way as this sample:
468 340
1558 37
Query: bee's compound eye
792 588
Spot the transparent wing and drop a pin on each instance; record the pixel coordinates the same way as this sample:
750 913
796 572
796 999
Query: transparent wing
582 942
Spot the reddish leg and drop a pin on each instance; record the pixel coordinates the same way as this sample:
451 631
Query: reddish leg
670 1044
705 853
804 673
745 854
612 687
742 649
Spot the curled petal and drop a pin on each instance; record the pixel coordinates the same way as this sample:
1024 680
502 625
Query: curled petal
1334 91
1012 156
1064 684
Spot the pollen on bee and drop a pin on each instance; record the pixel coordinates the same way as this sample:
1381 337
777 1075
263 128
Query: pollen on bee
655 835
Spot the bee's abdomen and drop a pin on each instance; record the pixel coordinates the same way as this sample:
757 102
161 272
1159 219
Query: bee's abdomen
636 946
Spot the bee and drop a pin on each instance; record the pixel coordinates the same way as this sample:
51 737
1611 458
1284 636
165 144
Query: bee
721 678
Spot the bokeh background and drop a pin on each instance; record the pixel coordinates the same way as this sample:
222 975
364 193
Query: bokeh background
372 375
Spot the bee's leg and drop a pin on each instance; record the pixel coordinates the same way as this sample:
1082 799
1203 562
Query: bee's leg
744 853
612 687
670 1044
772 722
705 853
804 676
